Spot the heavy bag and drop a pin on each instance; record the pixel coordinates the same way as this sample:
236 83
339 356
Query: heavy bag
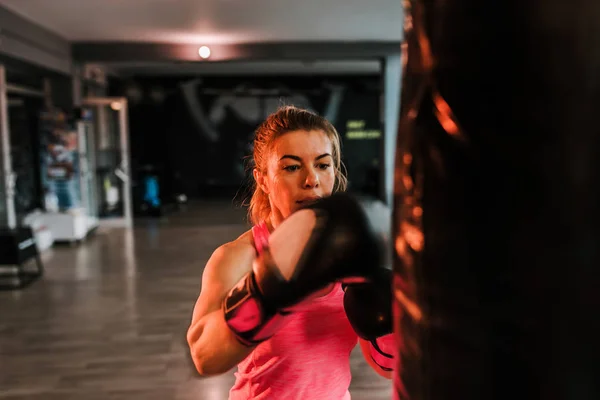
496 221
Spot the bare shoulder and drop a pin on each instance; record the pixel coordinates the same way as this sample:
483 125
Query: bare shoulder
242 247
230 261
225 268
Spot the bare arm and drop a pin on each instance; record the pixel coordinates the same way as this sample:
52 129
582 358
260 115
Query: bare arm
213 347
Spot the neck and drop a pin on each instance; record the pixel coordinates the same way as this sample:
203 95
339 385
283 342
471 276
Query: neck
275 219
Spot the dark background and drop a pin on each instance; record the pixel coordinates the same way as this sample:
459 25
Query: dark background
196 133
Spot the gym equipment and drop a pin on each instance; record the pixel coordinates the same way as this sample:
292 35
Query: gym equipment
66 167
17 247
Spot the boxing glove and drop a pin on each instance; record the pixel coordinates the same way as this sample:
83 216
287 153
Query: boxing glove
368 307
331 240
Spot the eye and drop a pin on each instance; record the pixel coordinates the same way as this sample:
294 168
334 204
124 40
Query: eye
292 168
324 166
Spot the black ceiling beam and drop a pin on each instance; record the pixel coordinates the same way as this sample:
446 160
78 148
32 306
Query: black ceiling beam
107 52
29 43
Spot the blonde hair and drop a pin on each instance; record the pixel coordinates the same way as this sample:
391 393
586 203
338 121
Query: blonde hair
287 119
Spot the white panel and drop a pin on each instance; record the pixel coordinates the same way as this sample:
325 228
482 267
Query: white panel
392 87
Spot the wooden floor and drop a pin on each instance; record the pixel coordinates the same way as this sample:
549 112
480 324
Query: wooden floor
108 320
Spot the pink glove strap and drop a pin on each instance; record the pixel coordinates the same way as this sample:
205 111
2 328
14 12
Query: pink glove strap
382 351
245 315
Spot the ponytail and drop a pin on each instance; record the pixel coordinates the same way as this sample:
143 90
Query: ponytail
259 208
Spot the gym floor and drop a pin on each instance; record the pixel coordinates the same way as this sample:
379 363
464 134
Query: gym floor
108 319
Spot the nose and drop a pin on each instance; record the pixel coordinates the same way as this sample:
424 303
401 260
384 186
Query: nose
311 180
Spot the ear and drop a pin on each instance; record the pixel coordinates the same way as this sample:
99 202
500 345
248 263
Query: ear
261 180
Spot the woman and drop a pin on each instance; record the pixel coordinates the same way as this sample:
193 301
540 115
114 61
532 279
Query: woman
297 160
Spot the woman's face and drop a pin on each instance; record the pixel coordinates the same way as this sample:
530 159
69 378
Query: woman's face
299 170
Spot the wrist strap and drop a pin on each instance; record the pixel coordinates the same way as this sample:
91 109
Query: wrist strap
246 315
382 351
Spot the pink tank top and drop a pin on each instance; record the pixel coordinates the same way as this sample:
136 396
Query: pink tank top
308 358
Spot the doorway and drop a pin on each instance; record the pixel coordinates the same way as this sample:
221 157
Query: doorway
107 185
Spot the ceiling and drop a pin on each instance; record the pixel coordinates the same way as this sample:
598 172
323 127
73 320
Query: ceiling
215 21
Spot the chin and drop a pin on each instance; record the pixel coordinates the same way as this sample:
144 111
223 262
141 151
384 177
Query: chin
295 208
300 206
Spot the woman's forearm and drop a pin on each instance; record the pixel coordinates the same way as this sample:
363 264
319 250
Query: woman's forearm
213 347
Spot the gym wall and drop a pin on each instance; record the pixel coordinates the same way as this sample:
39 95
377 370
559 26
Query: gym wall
196 133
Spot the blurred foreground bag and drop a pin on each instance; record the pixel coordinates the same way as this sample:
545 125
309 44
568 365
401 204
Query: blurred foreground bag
497 205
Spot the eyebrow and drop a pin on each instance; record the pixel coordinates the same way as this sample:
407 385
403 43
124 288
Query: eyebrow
300 159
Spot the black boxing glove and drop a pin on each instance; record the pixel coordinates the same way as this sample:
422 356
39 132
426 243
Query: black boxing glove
368 307
332 240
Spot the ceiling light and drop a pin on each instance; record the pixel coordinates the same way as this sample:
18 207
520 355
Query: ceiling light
204 52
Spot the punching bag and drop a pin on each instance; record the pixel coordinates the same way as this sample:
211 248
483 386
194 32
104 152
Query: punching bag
496 206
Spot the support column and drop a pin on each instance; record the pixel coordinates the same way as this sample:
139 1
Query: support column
77 85
8 215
